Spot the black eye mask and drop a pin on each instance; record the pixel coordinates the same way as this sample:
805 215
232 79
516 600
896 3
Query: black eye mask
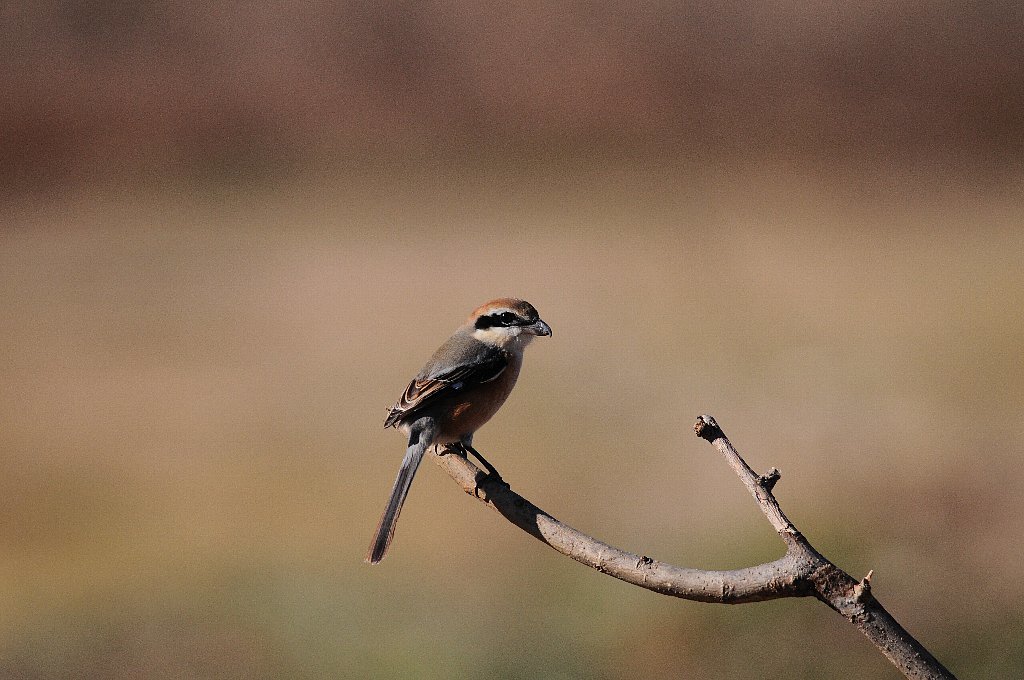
503 319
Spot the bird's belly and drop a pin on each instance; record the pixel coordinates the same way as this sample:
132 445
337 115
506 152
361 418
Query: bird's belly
467 413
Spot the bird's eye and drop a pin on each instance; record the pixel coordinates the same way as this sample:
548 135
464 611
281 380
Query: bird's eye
507 318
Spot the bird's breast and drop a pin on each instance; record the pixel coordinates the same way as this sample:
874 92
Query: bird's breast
472 408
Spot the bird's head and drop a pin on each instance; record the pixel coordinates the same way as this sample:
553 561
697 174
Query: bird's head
507 321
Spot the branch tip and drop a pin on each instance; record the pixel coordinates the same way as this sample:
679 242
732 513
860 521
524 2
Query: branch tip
707 428
863 589
767 480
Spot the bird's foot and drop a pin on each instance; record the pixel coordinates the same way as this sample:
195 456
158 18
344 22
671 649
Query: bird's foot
492 473
491 476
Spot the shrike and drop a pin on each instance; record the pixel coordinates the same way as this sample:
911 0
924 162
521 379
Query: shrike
456 392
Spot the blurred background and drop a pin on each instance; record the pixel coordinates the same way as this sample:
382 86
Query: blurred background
229 236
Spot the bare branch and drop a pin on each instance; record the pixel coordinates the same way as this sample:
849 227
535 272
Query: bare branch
760 487
784 577
801 572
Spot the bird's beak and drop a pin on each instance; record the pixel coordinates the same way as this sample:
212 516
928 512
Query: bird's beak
538 328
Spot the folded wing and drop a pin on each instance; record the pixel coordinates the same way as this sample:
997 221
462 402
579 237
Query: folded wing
423 392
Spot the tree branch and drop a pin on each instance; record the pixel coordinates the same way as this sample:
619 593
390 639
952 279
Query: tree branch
801 572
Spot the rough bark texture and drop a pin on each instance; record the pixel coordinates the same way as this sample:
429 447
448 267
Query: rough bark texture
801 572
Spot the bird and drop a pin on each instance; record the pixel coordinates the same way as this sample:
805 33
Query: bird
459 389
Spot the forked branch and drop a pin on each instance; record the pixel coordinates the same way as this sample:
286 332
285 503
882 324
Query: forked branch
801 572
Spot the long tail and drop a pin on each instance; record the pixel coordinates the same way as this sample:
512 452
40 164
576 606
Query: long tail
386 528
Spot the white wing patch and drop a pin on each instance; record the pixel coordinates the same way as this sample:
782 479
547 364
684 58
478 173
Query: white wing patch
493 377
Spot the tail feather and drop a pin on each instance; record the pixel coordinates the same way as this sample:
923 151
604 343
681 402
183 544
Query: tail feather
386 527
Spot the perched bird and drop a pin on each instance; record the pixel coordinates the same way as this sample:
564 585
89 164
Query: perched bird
460 388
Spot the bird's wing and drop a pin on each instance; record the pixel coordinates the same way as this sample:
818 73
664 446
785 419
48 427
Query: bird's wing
422 392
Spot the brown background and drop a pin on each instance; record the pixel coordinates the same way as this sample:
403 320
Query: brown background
230 236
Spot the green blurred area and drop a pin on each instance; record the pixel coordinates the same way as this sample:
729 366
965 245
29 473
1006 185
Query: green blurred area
228 239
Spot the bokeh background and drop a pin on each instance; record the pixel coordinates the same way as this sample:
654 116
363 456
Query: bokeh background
231 234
